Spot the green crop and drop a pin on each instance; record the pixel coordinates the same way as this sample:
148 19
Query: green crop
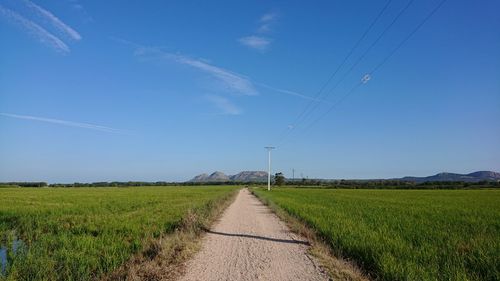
83 233
404 234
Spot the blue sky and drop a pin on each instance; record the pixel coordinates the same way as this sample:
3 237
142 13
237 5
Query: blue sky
164 90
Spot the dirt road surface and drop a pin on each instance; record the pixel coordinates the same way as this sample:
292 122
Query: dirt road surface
250 243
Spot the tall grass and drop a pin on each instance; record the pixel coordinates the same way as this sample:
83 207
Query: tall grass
83 233
405 234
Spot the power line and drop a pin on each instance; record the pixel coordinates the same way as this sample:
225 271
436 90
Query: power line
352 90
409 36
351 51
377 67
360 58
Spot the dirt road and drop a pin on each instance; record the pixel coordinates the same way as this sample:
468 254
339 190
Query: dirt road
250 243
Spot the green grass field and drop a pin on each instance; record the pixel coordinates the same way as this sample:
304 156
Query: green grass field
82 233
404 234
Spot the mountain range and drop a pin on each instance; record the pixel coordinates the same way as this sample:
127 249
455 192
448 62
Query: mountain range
472 177
260 176
245 176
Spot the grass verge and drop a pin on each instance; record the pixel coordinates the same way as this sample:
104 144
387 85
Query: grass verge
164 257
336 267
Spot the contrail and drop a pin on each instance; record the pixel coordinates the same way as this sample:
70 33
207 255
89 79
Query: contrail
237 82
65 123
54 21
290 93
34 29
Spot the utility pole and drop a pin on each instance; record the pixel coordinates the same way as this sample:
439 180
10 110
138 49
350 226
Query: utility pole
269 148
293 175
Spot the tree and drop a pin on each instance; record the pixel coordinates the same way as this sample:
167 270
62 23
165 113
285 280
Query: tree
279 179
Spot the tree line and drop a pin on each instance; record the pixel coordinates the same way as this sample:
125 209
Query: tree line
279 180
118 184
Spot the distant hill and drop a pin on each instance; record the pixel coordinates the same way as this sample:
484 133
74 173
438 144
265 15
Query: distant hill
472 177
214 177
250 176
245 176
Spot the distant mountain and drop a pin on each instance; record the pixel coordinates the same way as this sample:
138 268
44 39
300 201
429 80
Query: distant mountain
218 176
245 176
214 177
200 178
250 176
472 177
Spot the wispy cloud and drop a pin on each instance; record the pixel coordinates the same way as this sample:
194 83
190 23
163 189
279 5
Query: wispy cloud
55 21
255 42
268 17
224 105
266 21
259 42
233 81
35 30
65 123
78 7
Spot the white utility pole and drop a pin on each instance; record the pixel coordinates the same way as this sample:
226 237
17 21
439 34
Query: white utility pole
269 148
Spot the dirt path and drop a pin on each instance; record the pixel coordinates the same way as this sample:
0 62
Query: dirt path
250 243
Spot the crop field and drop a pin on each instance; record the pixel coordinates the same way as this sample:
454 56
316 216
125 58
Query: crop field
404 234
83 233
